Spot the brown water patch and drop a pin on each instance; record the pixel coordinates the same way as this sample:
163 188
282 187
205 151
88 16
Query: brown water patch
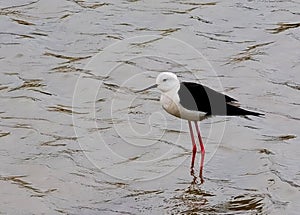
24 118
39 34
65 69
22 22
63 109
60 108
111 86
249 53
115 184
144 44
283 27
222 40
280 138
30 83
20 36
124 24
251 127
127 62
6 12
99 128
201 19
143 192
82 4
114 37
65 16
245 203
169 12
288 84
3 87
57 138
166 32
23 125
200 3
3 134
41 91
265 151
18 180
69 58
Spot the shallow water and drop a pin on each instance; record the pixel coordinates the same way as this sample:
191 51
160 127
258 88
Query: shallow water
76 139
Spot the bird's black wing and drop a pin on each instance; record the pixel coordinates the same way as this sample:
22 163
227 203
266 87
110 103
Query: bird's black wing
198 97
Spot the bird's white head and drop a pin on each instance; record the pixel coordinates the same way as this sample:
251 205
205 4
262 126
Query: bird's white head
167 81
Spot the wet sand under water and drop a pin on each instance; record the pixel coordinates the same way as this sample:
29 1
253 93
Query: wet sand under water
76 139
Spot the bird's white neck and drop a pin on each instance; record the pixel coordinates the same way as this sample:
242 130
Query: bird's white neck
172 94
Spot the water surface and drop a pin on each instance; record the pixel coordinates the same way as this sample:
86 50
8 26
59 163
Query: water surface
76 139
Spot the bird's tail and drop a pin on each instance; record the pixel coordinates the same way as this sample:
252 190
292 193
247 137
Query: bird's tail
237 111
252 113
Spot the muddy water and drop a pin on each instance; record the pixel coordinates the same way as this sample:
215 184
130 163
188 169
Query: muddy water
76 139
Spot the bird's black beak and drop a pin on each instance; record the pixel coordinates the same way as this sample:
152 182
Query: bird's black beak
148 88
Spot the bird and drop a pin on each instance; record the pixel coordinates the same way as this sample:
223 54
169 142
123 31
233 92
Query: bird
195 102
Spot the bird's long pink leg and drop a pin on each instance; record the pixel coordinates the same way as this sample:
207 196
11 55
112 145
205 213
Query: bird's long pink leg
202 151
200 138
194 147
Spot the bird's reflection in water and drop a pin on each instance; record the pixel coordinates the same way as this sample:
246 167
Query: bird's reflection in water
193 199
200 170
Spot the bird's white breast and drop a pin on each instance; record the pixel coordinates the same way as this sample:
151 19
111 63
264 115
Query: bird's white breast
171 104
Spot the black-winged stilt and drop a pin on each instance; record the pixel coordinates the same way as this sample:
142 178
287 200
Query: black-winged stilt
194 102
